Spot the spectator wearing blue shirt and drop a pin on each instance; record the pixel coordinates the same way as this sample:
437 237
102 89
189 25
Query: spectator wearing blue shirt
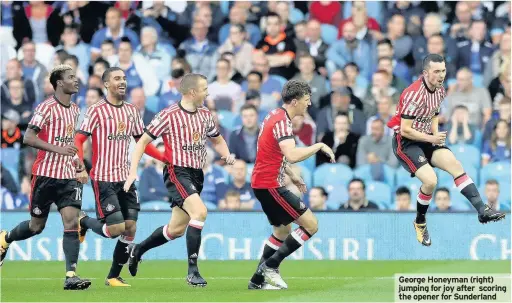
71 43
22 199
243 141
138 99
171 86
400 69
238 15
151 185
267 86
156 54
114 30
475 52
498 148
253 98
214 179
459 131
239 184
503 114
33 69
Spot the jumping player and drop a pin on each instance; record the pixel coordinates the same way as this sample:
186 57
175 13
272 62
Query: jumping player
276 149
54 174
112 123
419 145
184 128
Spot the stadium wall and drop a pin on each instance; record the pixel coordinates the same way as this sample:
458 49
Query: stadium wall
342 236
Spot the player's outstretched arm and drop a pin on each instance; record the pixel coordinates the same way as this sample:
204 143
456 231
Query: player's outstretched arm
31 139
295 154
221 147
408 132
136 156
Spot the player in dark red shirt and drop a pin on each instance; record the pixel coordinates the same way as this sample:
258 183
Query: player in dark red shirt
276 150
419 145
54 174
184 128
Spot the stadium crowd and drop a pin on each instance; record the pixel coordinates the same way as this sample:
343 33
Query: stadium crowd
357 57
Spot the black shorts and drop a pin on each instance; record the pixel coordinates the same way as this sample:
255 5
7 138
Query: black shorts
46 190
110 198
182 182
413 154
281 206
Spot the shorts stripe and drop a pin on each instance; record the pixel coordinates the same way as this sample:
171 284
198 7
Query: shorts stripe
174 179
32 187
287 207
404 156
97 197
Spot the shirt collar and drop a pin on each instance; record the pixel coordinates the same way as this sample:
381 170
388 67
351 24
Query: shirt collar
108 34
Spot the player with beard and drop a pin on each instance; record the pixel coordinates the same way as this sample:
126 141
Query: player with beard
54 174
419 145
112 123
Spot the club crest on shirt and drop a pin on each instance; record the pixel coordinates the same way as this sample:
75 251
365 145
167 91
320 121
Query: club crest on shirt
70 129
121 127
196 136
421 159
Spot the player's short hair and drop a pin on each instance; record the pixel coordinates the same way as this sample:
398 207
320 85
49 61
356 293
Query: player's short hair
248 106
443 189
190 81
57 73
432 58
257 73
106 74
295 89
322 190
357 180
402 190
492 182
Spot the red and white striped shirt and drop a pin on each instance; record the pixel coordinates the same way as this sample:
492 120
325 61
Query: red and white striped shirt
184 134
420 103
112 128
270 162
55 124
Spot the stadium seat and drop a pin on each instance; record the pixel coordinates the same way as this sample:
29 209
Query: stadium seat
88 199
281 80
296 15
459 202
227 119
309 163
402 176
329 33
497 170
306 176
250 167
467 154
364 172
337 196
378 192
155 205
152 103
336 174
14 173
10 158
477 141
210 205
444 179
225 173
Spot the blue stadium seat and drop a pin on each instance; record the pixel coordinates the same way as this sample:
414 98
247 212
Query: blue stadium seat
250 167
155 205
444 179
364 172
337 196
10 158
477 141
210 205
225 173
459 202
497 170
227 119
504 206
152 103
88 199
296 15
14 173
467 154
281 80
402 176
309 163
329 33
306 176
378 192
334 174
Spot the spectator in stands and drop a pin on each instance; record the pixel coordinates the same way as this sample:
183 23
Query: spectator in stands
412 14
114 30
100 66
338 81
304 129
22 200
326 12
254 83
340 103
14 71
11 133
239 47
357 198
200 52
386 64
492 194
247 31
278 48
108 51
207 12
136 69
349 49
502 22
205 15
223 87
138 98
269 85
164 20
6 199
357 83
155 53
70 42
492 67
403 199
376 149
233 74
240 185
399 68
381 87
214 179
459 130
498 147
94 82
364 25
47 91
283 10
318 198
499 87
151 185
93 95
232 201
318 85
341 140
33 69
503 114
172 85
475 52
16 102
460 27
442 199
299 29
314 46
7 181
384 112
243 140
253 97
436 45
476 99
402 43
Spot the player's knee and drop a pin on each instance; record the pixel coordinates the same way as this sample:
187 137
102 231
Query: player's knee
116 230
282 232
36 228
130 228
199 213
311 225
176 231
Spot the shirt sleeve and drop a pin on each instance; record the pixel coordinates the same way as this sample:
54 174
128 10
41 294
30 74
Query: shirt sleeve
138 128
158 125
212 130
283 130
90 122
411 106
41 114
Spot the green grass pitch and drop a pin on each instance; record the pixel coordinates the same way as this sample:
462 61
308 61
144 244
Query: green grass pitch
164 281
